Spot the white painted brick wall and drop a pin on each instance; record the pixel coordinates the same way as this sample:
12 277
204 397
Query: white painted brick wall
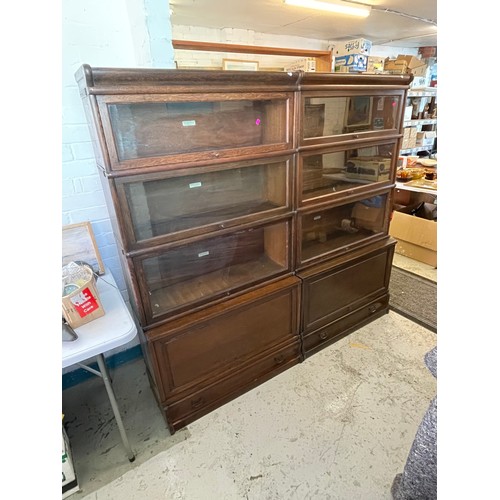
114 33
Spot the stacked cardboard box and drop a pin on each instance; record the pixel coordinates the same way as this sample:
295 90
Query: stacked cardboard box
352 56
375 64
410 64
304 64
405 64
426 138
357 46
409 138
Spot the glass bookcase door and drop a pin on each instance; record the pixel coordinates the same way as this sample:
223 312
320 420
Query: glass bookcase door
335 172
196 272
172 205
326 232
186 128
335 117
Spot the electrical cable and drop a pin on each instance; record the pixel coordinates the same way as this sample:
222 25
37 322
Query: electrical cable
392 11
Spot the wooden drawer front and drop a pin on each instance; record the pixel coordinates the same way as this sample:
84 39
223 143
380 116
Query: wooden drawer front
199 403
151 130
333 294
206 349
329 334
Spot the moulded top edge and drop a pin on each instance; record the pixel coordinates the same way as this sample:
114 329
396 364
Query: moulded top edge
97 78
107 79
355 79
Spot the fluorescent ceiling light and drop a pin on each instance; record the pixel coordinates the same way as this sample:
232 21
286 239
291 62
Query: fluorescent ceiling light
338 7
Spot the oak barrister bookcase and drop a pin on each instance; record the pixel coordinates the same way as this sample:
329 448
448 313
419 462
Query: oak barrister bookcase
251 211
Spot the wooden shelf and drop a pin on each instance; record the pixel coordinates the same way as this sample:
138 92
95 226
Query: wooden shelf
323 57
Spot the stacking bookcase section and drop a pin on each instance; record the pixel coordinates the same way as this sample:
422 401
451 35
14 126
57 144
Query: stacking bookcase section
162 118
251 214
348 137
342 295
336 110
190 273
211 356
326 231
333 173
198 173
176 204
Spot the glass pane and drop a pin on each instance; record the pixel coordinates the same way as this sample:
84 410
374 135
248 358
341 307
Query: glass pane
167 128
327 173
164 206
329 230
201 271
327 116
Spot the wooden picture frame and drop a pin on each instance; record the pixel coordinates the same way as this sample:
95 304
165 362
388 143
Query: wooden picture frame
239 65
79 244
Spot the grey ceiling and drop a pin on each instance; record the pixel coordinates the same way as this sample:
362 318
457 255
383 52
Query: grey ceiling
401 23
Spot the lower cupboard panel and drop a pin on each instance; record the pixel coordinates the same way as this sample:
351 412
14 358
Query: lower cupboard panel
331 333
199 403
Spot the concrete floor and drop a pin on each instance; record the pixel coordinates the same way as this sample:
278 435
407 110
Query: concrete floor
337 426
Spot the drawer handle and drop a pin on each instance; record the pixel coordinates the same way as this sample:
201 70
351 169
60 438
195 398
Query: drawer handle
323 335
196 403
279 359
372 309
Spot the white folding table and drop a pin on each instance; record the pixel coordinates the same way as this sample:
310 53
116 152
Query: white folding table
100 335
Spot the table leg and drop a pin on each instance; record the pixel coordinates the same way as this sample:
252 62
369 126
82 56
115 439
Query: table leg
107 383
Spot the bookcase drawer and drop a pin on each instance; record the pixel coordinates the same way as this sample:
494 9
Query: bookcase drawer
330 293
327 335
193 350
196 404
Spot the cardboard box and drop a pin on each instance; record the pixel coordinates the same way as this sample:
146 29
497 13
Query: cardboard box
408 110
405 64
357 46
369 168
371 218
426 138
81 302
416 237
375 64
423 80
409 142
351 64
303 64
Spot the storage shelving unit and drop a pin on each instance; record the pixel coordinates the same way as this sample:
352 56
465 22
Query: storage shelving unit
420 122
251 210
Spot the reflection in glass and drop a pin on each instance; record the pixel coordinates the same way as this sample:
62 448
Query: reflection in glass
326 173
330 116
329 230
166 128
161 206
201 271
